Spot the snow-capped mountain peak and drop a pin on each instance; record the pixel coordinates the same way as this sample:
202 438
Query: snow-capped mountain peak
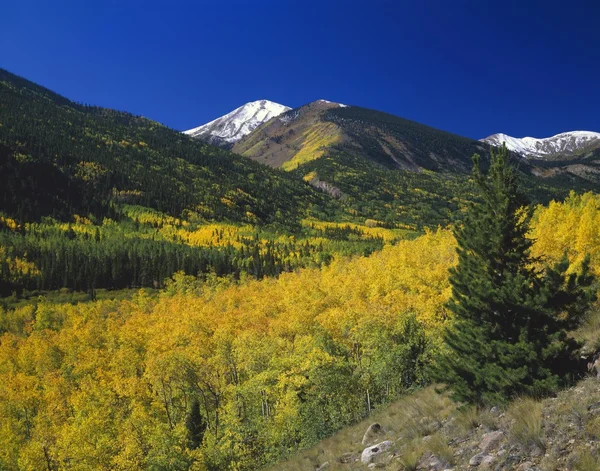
567 143
231 127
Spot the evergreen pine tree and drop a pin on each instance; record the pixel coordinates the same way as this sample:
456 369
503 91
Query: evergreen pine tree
509 334
195 425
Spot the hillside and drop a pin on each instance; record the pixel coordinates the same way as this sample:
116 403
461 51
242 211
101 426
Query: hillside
383 167
426 431
60 158
387 168
92 198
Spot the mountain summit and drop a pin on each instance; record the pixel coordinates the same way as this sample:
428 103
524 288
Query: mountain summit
228 129
564 144
323 128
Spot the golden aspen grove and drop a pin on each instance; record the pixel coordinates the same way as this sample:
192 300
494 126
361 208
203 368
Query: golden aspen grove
267 366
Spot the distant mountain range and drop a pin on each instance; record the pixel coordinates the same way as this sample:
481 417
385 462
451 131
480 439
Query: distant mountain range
286 138
567 144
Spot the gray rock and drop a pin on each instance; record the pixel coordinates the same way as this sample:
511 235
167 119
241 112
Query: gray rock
432 463
371 453
373 433
490 440
347 458
594 407
481 458
323 467
527 466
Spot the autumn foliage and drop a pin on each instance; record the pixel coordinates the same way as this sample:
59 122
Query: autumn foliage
219 374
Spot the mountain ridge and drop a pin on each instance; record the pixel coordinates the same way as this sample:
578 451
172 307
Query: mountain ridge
307 133
565 144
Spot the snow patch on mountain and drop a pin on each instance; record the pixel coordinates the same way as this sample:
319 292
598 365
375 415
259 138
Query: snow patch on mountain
231 127
566 143
341 105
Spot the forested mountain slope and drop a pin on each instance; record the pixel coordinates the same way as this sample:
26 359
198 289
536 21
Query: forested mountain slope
60 158
390 169
95 198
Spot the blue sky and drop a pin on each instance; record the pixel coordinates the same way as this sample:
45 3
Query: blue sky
469 67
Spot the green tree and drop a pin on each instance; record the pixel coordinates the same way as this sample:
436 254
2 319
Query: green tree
509 334
195 425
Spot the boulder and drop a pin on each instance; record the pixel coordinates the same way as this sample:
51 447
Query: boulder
371 453
481 459
490 440
373 433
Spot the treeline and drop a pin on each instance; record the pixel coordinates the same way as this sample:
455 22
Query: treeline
411 199
84 257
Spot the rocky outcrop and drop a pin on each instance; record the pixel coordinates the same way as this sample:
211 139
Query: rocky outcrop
481 459
428 432
490 440
372 453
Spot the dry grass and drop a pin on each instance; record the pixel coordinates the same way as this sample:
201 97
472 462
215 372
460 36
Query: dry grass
424 414
526 427
438 446
409 458
488 420
467 418
403 420
589 332
587 462
592 428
